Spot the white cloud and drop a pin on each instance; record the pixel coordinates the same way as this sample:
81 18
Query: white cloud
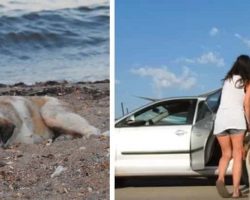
242 39
163 78
214 31
209 58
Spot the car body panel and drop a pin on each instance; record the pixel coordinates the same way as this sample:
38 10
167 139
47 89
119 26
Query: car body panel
154 140
202 130
199 137
160 139
153 150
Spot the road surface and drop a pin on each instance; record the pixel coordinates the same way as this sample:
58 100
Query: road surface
174 188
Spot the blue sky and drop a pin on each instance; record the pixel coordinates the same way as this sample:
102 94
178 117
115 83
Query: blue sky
168 48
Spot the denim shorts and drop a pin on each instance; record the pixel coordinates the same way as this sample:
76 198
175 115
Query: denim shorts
232 131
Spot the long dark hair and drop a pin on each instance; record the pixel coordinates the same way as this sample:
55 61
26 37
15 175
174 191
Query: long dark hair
240 67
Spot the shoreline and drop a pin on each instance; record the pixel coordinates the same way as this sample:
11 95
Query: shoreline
55 88
52 82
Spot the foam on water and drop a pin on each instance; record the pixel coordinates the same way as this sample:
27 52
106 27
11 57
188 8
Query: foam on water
10 7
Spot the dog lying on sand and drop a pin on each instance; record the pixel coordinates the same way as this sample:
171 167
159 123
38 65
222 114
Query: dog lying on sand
35 119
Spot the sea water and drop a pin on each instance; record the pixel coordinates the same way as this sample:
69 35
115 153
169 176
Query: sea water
54 40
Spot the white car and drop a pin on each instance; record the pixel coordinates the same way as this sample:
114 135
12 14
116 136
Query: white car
169 137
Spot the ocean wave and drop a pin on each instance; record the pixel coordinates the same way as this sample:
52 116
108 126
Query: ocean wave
56 42
97 7
50 29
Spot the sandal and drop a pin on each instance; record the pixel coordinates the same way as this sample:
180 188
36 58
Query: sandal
222 190
240 196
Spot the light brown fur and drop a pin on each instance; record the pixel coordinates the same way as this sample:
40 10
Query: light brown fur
38 118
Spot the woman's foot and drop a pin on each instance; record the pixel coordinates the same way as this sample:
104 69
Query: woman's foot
236 194
222 190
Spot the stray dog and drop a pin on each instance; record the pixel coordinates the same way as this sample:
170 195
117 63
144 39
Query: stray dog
35 119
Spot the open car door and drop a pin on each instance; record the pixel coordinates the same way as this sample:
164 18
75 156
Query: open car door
202 130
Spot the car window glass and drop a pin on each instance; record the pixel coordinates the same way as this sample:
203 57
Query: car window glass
171 112
213 101
151 113
203 111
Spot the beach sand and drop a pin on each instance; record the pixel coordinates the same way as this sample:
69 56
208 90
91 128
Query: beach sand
25 170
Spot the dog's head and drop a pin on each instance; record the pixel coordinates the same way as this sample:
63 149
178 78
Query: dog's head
6 131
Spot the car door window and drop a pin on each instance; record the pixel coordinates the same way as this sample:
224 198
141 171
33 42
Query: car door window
209 106
213 101
171 112
203 111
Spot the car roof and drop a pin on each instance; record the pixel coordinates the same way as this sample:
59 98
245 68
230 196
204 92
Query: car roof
209 93
200 96
153 101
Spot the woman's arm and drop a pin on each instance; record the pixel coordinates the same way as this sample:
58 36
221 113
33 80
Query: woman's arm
247 104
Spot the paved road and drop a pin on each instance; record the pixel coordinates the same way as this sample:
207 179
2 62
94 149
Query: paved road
175 188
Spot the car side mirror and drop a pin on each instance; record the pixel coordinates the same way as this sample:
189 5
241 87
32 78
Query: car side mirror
130 119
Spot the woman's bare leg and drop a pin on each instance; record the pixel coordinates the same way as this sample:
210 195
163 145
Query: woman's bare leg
237 143
226 151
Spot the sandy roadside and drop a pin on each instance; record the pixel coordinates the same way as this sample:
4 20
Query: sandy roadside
26 169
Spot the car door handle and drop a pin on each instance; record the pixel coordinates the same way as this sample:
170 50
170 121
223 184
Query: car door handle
180 132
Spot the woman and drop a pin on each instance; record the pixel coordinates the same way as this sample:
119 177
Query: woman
230 124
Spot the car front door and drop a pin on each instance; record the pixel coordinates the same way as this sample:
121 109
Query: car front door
202 130
156 136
